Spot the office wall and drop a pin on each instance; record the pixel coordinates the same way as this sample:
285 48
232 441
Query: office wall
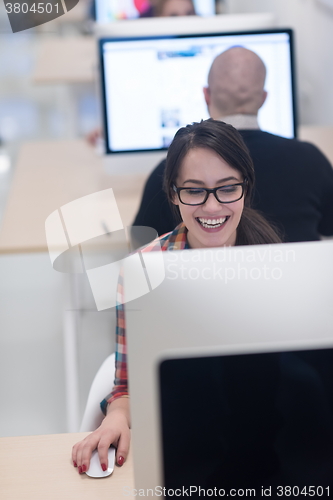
313 25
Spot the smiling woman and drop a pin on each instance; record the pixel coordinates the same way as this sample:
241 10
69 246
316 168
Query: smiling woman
209 221
209 179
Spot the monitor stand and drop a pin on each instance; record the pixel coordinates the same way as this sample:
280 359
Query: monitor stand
132 163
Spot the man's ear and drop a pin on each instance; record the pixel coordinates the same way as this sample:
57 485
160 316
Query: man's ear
206 91
264 97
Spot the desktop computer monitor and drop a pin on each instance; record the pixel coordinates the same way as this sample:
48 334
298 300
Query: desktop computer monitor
152 86
107 11
269 305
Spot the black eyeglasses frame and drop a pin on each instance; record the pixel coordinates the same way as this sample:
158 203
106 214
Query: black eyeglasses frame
214 191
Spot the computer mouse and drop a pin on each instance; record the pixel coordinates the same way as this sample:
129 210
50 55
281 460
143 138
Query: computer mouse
95 469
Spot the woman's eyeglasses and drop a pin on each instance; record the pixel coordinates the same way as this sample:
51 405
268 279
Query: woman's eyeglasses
199 196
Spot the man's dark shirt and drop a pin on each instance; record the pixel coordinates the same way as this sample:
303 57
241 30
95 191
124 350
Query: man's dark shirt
293 189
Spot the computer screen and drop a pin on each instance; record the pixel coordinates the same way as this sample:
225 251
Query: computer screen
152 86
259 422
107 11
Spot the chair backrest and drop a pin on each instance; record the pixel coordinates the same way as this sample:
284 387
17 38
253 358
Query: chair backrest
100 387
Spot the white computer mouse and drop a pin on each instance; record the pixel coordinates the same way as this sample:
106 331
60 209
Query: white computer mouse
95 469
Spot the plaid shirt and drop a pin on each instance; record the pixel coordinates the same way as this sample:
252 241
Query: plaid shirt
176 240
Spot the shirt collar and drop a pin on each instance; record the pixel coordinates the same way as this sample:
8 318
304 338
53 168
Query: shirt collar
176 240
242 122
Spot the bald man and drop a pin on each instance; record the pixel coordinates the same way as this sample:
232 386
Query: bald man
236 82
294 180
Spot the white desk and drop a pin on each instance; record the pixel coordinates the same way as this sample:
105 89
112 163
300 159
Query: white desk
50 174
70 63
66 60
40 468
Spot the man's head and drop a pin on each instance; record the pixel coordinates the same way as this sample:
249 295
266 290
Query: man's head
167 8
235 83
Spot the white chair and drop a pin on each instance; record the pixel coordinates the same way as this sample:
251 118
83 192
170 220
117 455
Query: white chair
100 387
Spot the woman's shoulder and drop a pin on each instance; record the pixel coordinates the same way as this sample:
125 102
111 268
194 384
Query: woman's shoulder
175 240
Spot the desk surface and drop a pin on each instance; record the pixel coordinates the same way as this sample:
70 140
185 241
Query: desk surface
66 60
50 174
40 468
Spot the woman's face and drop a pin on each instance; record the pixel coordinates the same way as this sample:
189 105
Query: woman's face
203 167
178 8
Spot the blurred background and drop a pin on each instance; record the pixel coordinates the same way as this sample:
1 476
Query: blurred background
35 107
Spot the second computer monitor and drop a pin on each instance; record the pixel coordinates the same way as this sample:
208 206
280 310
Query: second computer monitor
114 10
152 86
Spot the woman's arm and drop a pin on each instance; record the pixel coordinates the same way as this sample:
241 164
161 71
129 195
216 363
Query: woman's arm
115 429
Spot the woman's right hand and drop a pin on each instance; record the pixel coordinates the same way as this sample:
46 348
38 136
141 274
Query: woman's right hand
115 430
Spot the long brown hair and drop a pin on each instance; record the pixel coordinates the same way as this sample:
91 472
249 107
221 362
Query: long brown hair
227 142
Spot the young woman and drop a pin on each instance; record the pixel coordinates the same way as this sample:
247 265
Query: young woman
209 179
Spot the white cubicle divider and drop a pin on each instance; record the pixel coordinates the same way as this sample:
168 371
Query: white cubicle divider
184 25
